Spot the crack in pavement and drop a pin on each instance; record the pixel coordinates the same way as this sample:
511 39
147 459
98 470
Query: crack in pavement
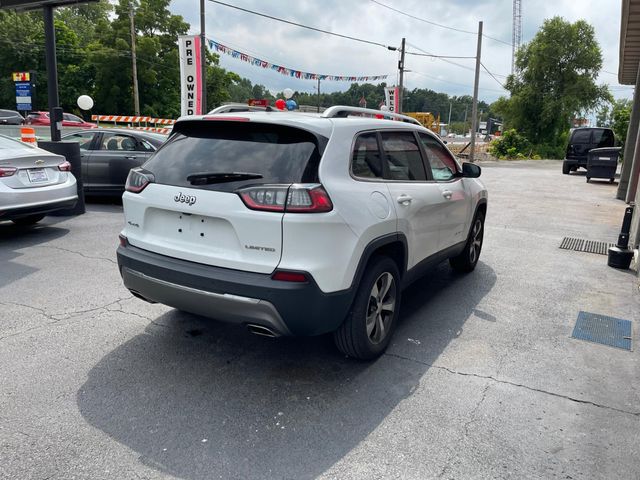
77 253
56 317
465 429
514 384
139 315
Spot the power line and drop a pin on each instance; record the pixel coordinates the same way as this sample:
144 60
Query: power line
434 56
492 76
348 37
430 22
452 83
444 59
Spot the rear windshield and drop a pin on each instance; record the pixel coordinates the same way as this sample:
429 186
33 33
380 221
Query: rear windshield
603 138
277 153
581 136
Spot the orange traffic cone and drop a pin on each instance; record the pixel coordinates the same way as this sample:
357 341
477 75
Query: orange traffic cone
28 135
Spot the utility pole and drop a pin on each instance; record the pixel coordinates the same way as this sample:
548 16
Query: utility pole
449 122
318 94
136 97
203 61
401 87
474 108
52 76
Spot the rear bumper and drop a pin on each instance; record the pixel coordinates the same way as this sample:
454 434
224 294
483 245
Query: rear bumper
576 162
232 295
44 208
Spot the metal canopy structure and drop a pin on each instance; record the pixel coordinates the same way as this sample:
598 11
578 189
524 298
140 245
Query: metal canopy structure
35 4
47 6
629 42
628 74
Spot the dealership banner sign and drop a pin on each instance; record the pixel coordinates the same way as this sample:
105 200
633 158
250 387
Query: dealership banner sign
291 72
190 75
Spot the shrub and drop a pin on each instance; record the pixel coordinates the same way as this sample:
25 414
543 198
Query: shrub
510 145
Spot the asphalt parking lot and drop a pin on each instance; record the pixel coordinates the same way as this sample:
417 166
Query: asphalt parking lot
482 379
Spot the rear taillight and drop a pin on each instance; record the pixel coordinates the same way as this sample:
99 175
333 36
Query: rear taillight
285 276
290 199
123 240
64 166
7 171
137 180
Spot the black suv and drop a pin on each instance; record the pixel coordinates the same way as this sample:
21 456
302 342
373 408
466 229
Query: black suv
581 140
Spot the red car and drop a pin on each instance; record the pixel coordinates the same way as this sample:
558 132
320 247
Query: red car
68 120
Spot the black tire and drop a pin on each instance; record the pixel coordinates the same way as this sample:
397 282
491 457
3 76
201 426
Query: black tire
467 260
368 328
30 220
566 168
588 179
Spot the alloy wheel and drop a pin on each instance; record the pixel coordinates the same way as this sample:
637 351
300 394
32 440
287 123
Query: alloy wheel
476 241
382 304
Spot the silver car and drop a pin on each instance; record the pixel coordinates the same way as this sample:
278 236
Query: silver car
33 182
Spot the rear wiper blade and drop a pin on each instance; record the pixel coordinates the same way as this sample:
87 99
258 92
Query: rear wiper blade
220 177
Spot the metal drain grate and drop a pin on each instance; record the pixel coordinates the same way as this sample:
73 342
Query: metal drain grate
588 246
611 331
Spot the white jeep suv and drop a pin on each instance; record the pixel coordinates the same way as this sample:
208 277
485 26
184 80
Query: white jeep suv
298 224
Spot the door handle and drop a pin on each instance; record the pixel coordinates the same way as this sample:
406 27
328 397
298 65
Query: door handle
130 157
447 194
404 199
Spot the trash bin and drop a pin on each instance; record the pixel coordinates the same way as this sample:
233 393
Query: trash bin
602 163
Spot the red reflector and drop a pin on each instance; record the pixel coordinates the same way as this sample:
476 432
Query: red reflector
229 119
283 276
64 166
123 240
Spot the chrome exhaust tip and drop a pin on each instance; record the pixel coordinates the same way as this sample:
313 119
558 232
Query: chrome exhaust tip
261 330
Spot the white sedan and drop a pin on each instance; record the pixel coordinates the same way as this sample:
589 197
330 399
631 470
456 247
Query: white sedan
33 182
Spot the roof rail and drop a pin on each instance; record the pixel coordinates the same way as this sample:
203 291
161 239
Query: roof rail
343 111
240 107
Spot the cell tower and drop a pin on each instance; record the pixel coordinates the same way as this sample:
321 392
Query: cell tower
516 37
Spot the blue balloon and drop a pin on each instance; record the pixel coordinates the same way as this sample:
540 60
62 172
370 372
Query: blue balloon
291 104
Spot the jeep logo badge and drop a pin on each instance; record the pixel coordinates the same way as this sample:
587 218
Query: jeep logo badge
182 198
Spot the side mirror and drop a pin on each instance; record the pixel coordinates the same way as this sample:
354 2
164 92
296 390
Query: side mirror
471 170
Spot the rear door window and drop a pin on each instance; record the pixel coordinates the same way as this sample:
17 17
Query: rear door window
402 155
279 154
603 138
366 161
117 142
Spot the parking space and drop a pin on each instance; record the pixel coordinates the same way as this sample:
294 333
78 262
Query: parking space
482 379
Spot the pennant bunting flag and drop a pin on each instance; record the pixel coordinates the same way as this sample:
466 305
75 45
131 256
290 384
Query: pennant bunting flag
290 72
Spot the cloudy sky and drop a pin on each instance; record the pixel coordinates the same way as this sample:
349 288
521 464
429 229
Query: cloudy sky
309 51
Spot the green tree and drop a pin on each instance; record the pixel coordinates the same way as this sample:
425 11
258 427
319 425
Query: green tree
555 82
616 115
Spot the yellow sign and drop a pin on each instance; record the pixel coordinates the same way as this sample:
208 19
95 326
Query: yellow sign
21 77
